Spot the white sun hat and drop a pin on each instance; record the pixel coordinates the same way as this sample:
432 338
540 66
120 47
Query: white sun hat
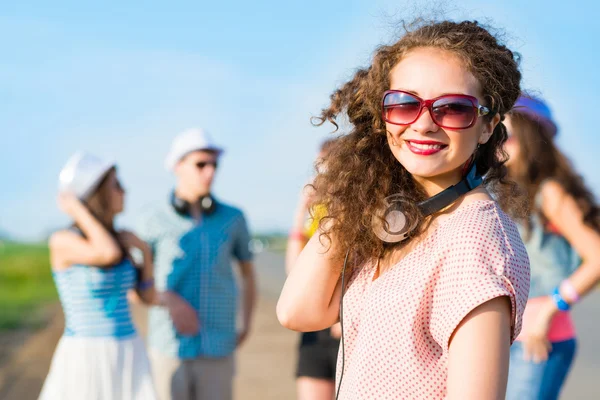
82 174
187 141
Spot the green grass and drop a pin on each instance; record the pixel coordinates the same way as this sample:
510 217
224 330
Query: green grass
25 284
276 242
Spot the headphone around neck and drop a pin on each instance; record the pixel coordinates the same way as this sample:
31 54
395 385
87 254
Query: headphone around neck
182 207
398 228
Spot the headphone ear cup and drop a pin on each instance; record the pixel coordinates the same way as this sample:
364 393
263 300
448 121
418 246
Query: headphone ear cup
180 206
391 224
208 204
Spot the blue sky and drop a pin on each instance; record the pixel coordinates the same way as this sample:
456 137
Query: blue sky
121 80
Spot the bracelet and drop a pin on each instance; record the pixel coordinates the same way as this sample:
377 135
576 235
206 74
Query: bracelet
145 285
561 304
567 288
298 235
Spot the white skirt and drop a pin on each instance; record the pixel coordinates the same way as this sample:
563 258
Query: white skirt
99 369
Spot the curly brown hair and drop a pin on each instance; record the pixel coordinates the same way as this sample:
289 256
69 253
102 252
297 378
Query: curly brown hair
361 169
540 160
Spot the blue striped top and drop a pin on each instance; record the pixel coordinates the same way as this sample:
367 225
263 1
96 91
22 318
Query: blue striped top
94 300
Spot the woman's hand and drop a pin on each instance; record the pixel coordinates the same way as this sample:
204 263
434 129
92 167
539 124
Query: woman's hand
536 345
69 204
306 197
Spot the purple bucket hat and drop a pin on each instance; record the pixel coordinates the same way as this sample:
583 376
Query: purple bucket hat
538 110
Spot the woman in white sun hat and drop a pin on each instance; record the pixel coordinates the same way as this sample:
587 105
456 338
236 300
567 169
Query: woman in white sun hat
100 355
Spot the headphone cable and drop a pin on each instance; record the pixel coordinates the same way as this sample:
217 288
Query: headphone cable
342 325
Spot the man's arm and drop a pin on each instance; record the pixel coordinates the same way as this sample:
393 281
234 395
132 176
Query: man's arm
249 298
241 251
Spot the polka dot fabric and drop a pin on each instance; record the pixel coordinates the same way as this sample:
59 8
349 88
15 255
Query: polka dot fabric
397 328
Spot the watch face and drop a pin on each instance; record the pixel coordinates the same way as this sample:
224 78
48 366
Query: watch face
391 224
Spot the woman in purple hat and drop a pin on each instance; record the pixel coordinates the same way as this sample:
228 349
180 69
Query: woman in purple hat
563 242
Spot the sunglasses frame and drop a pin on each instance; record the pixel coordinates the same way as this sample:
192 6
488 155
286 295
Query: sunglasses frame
214 164
480 110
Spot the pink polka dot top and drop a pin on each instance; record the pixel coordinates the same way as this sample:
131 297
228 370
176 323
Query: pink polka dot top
397 328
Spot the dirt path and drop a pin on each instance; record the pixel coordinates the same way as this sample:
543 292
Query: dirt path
22 377
265 362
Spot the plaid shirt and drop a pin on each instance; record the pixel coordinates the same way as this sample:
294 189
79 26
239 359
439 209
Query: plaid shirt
195 261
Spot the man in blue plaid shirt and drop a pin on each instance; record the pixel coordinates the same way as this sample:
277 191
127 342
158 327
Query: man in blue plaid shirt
195 238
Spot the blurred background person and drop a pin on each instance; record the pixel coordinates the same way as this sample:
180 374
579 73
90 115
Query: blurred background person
194 239
317 352
100 355
563 242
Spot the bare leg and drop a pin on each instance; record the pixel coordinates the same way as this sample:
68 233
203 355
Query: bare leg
314 388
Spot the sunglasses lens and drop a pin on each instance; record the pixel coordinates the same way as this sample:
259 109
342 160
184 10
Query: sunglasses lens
400 108
203 164
454 112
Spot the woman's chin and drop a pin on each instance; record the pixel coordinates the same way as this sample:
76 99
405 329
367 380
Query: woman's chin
423 172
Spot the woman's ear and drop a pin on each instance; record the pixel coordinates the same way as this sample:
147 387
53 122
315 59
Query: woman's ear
488 129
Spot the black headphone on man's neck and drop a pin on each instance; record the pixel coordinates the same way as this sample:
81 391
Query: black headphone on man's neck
398 228
182 207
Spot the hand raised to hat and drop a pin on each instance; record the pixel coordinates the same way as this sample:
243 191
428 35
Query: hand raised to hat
69 204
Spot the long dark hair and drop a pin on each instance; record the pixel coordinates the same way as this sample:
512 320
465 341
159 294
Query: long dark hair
362 171
540 160
99 203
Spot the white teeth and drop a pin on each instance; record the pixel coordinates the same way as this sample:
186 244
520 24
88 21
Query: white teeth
426 146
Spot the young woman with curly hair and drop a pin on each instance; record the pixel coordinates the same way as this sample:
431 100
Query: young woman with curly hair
434 315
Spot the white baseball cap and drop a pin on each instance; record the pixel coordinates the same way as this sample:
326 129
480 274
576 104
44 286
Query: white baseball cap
187 141
82 174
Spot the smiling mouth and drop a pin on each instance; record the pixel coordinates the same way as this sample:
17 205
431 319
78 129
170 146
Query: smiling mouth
425 148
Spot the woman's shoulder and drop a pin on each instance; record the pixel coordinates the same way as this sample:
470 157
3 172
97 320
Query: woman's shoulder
550 196
59 244
476 216
481 224
62 238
